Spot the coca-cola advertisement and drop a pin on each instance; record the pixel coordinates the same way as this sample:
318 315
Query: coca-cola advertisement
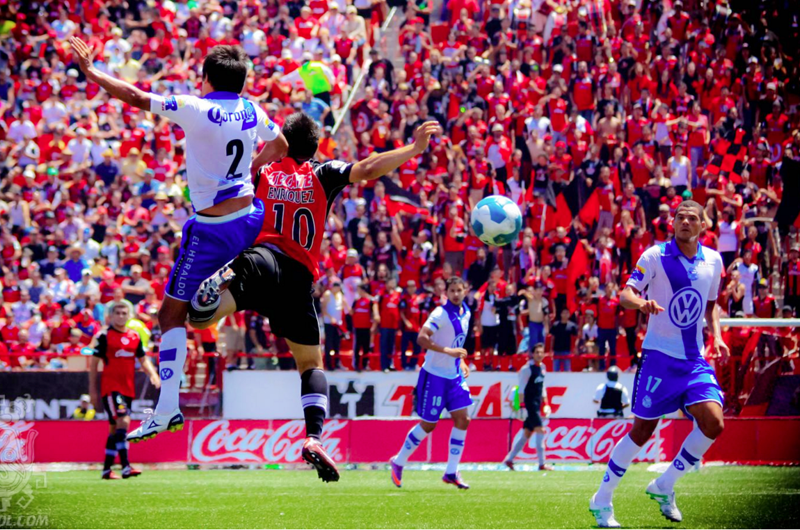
272 442
229 442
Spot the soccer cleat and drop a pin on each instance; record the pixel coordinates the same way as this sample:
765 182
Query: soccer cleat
397 474
455 480
315 454
128 472
206 300
509 464
603 514
545 467
666 501
156 423
108 474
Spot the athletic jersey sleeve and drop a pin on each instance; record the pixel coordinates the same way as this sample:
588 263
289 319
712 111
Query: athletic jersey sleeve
524 377
267 129
713 290
626 399
139 350
645 269
183 109
102 347
598 394
334 175
434 322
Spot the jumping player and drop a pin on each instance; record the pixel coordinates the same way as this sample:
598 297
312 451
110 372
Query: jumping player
531 384
441 384
118 347
682 276
221 130
276 277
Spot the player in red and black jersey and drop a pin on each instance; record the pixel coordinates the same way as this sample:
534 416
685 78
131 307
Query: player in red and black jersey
119 348
275 277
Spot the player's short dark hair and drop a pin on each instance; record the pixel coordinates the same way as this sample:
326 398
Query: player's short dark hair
696 206
454 280
538 345
302 134
225 68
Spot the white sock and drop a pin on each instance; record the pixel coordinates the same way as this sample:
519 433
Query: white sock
519 442
621 457
413 439
694 447
457 437
172 356
538 439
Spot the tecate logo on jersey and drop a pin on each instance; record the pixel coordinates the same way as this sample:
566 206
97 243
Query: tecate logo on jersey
685 308
216 442
293 181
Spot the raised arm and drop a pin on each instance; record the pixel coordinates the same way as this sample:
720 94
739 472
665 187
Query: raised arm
380 164
116 87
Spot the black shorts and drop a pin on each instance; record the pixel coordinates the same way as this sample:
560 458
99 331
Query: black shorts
489 336
534 418
279 288
117 406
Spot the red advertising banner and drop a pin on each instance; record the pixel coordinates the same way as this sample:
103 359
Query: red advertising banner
354 441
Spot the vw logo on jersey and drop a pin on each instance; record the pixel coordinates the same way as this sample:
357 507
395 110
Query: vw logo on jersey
685 308
459 341
166 373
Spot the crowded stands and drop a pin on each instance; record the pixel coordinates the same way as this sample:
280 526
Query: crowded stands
598 117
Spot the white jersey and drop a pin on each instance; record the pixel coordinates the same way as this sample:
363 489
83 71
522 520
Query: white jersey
449 325
221 133
682 287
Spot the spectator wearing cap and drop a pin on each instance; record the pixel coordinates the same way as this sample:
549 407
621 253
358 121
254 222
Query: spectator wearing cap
80 147
108 169
75 264
49 265
135 287
62 287
86 288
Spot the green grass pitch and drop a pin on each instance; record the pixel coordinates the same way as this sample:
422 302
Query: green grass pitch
715 497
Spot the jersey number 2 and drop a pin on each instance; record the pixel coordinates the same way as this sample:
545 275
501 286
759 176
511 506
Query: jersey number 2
297 223
236 150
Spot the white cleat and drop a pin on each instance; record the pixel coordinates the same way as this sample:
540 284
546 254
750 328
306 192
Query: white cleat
666 501
154 424
603 514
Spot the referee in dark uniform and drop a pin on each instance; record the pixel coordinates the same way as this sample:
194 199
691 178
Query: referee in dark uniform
531 384
612 396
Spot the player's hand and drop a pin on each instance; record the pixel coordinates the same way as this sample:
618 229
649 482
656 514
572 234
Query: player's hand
155 381
464 369
546 411
651 307
422 135
720 350
83 53
456 352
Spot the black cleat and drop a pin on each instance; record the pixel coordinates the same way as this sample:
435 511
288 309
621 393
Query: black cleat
314 454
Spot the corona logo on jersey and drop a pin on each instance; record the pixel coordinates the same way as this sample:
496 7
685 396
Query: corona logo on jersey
685 308
247 116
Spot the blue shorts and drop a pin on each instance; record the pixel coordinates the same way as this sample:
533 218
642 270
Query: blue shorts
434 394
665 384
208 244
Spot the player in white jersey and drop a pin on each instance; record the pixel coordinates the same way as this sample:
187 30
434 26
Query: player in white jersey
441 384
682 280
221 130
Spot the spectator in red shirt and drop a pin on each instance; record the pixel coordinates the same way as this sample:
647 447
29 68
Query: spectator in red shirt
411 313
608 308
389 323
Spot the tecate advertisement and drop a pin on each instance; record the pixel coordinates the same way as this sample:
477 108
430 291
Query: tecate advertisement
276 395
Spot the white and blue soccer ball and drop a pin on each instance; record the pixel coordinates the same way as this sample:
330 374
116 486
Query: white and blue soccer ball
496 220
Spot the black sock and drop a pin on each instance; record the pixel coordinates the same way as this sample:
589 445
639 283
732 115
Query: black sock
111 451
122 447
314 397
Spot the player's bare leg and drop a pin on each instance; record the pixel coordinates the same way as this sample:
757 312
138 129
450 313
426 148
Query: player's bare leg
621 457
171 358
709 424
314 398
413 440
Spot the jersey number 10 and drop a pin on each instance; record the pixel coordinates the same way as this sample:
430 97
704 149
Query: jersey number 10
297 222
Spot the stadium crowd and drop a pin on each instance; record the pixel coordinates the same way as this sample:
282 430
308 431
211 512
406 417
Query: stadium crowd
598 117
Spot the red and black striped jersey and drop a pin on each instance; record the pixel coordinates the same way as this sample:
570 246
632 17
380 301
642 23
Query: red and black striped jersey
296 199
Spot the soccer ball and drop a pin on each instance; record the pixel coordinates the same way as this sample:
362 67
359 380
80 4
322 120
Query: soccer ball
496 220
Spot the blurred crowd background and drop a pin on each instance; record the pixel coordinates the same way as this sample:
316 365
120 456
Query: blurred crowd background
598 117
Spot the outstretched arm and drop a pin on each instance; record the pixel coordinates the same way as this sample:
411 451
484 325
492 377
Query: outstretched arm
380 164
116 87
